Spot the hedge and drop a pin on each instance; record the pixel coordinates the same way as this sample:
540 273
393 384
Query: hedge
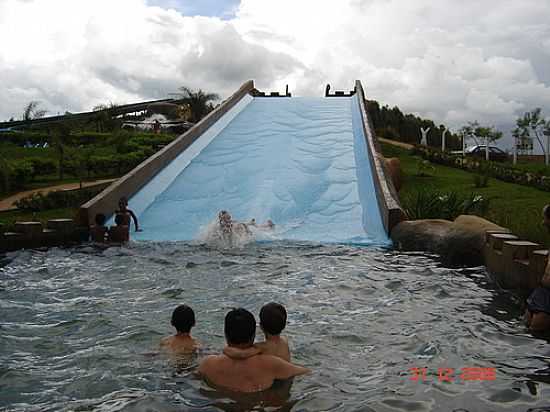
496 170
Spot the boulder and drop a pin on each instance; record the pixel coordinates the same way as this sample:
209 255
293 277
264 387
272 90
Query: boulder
466 240
421 235
393 166
460 243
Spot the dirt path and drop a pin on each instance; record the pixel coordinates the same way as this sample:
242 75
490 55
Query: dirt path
9 202
396 143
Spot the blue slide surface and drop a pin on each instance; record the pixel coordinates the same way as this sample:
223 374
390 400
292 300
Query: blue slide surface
301 162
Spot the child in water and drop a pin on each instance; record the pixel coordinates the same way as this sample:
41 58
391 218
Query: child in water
272 321
183 319
127 214
98 232
121 232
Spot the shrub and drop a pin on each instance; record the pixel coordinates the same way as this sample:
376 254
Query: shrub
55 200
43 166
433 204
481 180
20 172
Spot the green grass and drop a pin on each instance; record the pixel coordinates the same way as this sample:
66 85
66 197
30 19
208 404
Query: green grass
513 206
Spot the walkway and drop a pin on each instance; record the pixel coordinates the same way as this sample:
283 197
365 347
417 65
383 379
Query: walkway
9 202
396 143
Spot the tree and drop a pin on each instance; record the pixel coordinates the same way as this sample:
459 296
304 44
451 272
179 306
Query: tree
105 117
532 123
32 111
199 102
485 134
60 141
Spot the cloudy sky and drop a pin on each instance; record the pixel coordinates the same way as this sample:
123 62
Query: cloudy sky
452 61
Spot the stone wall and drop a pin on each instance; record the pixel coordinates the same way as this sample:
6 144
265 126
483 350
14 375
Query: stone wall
28 235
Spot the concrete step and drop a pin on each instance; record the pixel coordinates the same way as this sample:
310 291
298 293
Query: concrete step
497 239
518 249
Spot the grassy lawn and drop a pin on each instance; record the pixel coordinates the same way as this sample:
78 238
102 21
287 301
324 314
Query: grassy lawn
513 206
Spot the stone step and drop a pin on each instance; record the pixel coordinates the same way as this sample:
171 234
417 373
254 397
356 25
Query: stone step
63 226
29 229
488 234
518 249
497 239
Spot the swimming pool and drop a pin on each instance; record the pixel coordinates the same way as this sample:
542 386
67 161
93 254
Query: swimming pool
80 328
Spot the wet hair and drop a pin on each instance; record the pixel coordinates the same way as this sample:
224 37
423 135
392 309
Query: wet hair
546 211
119 219
183 318
273 318
240 327
123 201
100 219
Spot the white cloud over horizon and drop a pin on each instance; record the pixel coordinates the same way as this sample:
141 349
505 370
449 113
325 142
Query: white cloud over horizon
446 60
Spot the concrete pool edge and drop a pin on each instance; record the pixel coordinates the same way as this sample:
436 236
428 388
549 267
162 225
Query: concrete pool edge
133 181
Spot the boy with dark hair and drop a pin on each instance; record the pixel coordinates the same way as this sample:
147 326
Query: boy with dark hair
121 232
183 319
272 321
252 374
98 232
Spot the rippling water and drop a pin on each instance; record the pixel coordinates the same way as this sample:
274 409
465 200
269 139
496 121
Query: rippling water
80 329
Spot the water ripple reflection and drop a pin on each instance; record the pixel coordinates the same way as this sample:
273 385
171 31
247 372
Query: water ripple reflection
80 329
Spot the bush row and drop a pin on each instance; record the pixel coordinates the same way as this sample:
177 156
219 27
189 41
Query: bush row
38 202
499 171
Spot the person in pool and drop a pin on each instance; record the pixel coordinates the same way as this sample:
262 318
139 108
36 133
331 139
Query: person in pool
537 314
183 319
128 214
253 374
98 232
272 322
228 226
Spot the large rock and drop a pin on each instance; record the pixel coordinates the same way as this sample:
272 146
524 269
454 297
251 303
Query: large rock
422 235
466 239
459 243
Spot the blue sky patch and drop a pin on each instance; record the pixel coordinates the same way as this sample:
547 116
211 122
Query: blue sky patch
224 9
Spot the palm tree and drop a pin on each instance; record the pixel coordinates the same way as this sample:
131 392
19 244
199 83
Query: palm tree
199 101
32 112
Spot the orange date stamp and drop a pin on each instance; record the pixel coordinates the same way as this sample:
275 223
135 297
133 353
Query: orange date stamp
452 375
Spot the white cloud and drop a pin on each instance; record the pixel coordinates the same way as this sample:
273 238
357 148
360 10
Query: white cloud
453 61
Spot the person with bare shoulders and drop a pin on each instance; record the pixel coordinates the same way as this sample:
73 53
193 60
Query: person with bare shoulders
127 214
253 374
537 314
183 319
98 232
119 233
272 322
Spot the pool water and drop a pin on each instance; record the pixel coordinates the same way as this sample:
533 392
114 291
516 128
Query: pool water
80 329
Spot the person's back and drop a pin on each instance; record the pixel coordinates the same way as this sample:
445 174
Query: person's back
252 374
98 232
119 233
183 319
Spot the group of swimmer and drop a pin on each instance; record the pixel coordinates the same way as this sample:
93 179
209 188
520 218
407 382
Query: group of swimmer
243 366
119 233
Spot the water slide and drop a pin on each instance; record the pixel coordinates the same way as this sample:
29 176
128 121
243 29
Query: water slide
302 162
